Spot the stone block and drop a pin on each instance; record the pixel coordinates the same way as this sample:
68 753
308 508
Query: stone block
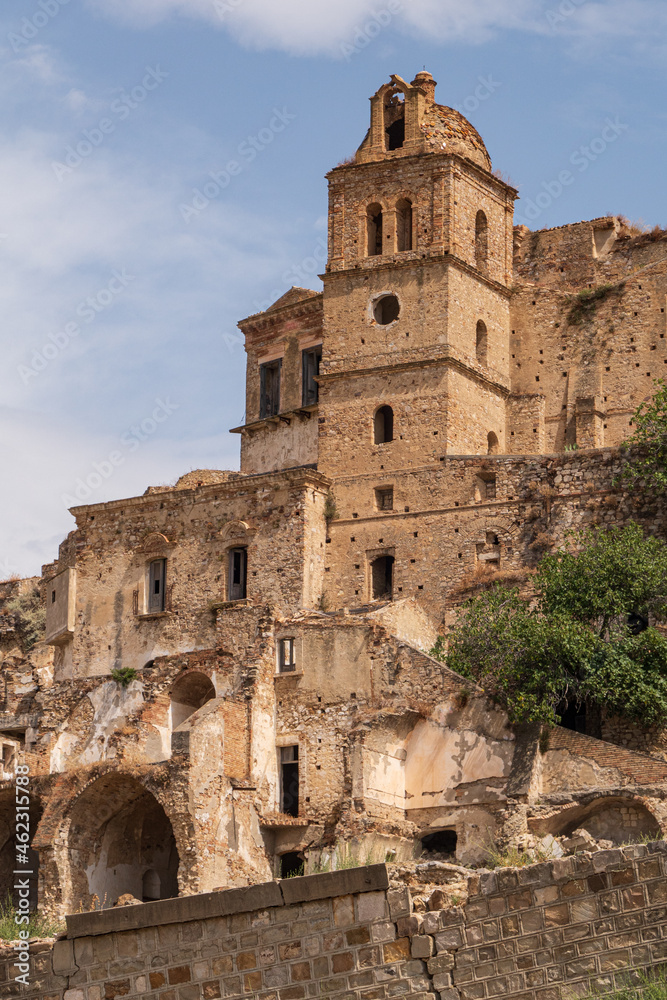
450 938
431 922
422 946
442 981
63 958
441 963
329 884
409 926
396 951
343 911
384 931
604 860
371 906
400 902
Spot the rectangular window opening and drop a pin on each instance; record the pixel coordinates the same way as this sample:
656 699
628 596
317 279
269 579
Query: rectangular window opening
269 388
289 780
156 586
310 364
384 498
286 661
238 574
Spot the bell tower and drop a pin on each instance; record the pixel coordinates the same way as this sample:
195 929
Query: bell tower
416 291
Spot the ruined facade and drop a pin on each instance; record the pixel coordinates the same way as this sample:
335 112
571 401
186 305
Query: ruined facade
235 679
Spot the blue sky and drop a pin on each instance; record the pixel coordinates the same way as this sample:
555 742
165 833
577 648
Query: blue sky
121 359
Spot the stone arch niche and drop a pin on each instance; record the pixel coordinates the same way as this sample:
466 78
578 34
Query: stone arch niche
189 692
119 840
620 819
8 845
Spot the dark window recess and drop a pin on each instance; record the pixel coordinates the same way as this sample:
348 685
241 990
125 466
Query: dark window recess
572 716
53 597
382 577
291 865
637 623
404 225
310 365
269 388
384 498
386 310
238 574
289 781
374 226
396 134
383 430
156 586
442 842
286 655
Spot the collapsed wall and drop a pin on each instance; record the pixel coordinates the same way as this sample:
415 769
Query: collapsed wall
531 932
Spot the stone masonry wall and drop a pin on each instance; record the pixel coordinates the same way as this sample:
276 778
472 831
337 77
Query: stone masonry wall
531 933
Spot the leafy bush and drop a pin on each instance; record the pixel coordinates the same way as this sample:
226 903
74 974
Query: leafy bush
124 676
584 640
30 616
647 462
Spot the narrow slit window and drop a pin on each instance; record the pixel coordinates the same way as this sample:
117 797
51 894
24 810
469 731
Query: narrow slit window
157 573
310 363
289 780
374 227
269 388
404 225
238 573
481 343
481 242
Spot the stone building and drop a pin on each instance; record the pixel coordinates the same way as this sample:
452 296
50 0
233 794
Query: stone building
234 680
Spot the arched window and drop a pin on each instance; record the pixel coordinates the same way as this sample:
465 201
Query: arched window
404 225
481 242
188 694
481 343
383 425
492 444
374 227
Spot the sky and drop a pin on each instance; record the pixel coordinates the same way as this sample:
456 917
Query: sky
162 172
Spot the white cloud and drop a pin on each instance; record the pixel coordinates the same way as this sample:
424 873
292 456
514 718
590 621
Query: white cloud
64 240
318 26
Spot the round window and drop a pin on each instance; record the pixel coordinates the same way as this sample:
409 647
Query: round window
386 310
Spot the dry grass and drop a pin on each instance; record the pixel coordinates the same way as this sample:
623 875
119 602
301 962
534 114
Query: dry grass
483 577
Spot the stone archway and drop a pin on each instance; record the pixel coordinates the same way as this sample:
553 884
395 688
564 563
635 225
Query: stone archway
119 840
618 818
189 692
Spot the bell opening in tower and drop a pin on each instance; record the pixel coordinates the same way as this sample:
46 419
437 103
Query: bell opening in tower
394 120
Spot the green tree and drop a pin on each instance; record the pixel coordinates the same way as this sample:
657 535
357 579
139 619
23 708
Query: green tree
646 449
584 639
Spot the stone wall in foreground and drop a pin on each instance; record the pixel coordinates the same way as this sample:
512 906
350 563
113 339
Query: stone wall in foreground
528 933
